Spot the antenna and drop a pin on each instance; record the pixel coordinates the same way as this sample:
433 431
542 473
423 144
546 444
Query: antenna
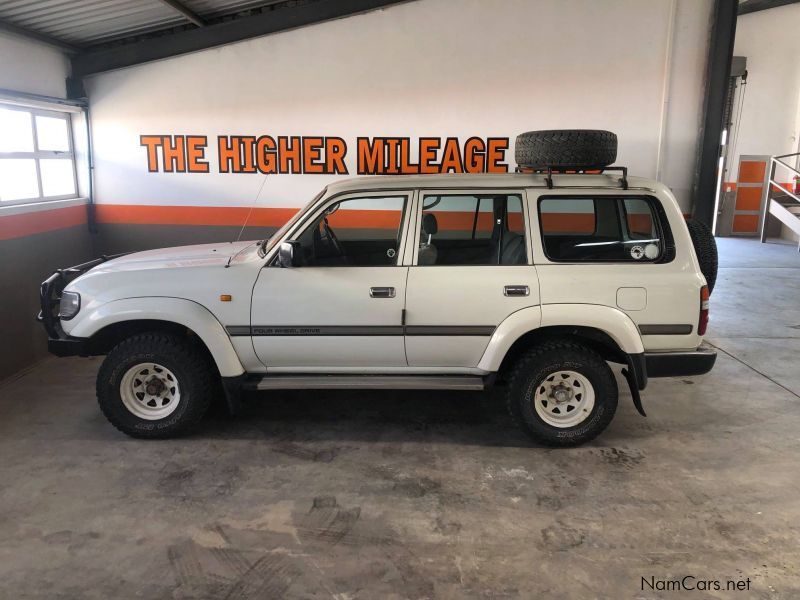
247 219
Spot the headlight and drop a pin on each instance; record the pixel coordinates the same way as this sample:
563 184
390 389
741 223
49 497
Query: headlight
69 306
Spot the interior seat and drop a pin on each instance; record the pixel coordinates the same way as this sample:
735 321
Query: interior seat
513 250
511 244
428 253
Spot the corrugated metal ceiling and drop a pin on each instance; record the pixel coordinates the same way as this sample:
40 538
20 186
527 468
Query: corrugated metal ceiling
91 22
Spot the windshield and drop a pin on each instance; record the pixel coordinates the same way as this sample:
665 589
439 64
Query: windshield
273 239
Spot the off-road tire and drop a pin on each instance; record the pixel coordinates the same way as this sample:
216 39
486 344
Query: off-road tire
705 246
581 148
191 368
530 371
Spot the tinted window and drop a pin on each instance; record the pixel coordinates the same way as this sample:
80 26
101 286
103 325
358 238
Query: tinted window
603 228
472 230
355 232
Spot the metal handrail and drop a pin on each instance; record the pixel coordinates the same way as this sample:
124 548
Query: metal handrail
774 161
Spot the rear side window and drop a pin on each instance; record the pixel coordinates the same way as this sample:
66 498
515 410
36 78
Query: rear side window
600 229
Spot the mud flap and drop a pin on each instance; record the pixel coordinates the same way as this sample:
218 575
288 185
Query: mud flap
233 393
636 375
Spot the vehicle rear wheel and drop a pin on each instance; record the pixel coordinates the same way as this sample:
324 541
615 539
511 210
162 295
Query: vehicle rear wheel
562 394
155 386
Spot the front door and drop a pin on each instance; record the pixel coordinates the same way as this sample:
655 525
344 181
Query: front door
471 271
343 307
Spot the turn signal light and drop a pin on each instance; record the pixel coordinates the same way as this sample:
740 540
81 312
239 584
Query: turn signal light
702 325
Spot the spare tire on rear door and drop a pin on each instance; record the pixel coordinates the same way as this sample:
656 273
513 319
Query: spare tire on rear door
705 246
563 148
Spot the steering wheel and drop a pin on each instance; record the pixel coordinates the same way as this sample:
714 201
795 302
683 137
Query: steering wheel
337 246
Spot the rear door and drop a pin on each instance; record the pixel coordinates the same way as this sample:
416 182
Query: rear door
615 248
471 269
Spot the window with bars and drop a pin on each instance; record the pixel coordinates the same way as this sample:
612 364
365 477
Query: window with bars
36 155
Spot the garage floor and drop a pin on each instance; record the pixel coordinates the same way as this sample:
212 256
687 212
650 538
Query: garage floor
409 495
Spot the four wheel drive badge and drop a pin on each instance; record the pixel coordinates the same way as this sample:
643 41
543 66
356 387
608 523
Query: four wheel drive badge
637 252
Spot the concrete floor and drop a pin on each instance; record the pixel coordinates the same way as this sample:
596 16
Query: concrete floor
357 495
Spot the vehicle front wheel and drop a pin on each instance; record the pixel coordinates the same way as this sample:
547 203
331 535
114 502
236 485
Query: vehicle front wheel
155 385
562 394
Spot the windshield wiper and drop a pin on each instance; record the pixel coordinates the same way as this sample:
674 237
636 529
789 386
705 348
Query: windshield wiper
262 247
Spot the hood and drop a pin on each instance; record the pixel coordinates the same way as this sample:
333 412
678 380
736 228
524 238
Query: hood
200 255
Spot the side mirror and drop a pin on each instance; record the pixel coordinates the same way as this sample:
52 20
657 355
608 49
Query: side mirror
289 254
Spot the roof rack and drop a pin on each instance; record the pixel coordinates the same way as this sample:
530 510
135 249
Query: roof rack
582 170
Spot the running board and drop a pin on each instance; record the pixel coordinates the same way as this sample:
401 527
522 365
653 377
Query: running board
366 382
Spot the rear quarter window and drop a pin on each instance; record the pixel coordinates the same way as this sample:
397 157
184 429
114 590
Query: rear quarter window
603 229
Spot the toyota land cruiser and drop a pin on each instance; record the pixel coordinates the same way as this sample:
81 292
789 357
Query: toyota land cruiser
534 280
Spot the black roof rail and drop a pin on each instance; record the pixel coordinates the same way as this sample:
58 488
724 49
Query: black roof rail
569 170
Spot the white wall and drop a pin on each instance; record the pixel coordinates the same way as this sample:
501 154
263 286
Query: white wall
770 121
430 67
32 67
769 41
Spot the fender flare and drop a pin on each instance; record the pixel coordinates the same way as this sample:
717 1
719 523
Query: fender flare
612 321
509 331
188 313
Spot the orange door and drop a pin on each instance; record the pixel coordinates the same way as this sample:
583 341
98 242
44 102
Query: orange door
749 194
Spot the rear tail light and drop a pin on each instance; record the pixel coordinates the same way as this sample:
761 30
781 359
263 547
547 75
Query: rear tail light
702 325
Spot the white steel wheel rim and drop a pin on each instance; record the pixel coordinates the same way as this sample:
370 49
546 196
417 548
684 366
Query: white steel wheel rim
564 399
150 391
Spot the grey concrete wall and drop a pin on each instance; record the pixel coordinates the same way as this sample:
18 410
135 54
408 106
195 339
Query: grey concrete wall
27 261
24 263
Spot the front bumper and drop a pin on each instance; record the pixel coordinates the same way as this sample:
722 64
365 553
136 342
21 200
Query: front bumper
680 364
68 346
58 342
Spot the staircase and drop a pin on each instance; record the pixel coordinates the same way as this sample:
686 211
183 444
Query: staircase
782 202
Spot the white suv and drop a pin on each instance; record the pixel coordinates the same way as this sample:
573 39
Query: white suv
531 280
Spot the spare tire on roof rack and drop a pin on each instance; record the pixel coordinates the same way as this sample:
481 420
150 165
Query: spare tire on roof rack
569 149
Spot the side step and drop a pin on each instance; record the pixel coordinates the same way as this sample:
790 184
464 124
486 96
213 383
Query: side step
365 382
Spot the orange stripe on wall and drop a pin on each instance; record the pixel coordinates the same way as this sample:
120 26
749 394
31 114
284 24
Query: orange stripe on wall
136 214
555 223
365 219
41 221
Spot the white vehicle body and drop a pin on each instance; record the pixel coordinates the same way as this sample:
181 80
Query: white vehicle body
257 318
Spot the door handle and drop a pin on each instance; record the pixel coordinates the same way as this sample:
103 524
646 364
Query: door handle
516 290
381 292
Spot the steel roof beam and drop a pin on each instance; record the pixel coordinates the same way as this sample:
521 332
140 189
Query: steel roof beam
751 6
226 32
189 14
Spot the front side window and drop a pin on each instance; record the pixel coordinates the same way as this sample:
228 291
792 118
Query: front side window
36 158
472 229
358 232
601 229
